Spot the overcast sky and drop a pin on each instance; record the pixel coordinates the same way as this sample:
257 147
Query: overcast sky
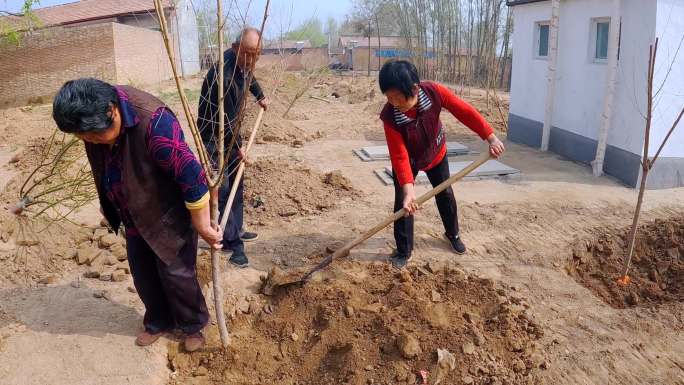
283 13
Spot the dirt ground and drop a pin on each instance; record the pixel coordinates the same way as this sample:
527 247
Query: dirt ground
657 275
532 301
297 191
369 323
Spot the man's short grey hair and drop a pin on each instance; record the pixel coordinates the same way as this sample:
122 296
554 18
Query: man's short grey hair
245 31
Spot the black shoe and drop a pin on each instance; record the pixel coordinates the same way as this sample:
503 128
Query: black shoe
239 259
456 243
399 260
246 236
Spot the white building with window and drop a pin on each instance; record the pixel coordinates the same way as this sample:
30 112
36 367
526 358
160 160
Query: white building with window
591 98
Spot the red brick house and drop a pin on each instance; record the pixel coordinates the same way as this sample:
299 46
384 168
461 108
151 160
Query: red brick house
114 40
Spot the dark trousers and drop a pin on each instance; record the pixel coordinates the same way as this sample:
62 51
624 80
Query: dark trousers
231 234
171 293
446 204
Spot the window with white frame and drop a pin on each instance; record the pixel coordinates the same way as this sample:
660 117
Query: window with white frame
541 41
599 38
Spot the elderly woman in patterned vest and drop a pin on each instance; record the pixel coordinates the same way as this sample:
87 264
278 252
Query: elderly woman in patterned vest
416 140
148 180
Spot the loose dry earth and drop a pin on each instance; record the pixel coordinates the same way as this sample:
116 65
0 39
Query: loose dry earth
657 275
368 323
533 301
277 190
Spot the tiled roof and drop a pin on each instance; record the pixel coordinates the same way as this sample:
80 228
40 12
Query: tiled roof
89 10
287 44
511 3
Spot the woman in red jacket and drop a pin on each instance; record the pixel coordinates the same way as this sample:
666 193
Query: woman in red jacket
417 142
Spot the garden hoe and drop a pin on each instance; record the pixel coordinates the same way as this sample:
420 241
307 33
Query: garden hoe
278 278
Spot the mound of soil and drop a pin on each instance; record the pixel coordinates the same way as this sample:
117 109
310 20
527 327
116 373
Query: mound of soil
277 189
373 325
358 90
657 272
276 129
350 90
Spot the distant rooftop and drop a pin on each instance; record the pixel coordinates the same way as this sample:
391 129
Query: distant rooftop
90 10
511 3
287 44
362 41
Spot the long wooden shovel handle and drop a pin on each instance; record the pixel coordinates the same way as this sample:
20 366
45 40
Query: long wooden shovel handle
344 251
240 171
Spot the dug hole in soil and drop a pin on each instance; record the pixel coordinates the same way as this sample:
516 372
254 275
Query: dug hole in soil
657 270
369 324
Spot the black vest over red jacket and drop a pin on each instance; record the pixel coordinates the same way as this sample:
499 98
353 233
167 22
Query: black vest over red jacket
423 136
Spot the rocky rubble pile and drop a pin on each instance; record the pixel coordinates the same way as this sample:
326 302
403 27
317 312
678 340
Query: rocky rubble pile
105 255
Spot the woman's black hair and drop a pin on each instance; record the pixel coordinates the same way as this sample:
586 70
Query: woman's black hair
401 75
84 105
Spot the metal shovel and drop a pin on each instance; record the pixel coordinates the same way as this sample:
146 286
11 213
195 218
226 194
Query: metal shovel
278 278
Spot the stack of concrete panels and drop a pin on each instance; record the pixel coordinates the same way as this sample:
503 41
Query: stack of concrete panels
491 169
374 153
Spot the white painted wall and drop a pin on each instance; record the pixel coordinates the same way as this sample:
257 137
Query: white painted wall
581 82
670 30
188 37
638 32
183 30
528 83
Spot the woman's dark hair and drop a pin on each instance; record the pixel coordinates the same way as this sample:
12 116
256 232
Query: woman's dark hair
84 105
401 75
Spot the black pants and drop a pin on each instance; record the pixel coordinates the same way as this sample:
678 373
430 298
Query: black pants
171 293
446 204
231 234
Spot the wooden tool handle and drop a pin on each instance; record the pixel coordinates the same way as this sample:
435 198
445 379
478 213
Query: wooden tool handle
252 135
240 171
344 251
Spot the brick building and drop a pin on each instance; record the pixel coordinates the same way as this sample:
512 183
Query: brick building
280 47
353 51
293 55
114 40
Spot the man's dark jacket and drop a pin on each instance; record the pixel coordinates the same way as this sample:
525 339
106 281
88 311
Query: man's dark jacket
234 80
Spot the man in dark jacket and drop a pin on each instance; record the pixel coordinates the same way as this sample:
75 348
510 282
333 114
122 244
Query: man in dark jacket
239 63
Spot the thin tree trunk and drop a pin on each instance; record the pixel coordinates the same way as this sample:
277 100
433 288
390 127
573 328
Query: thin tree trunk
369 45
215 255
607 115
645 164
551 76
504 56
377 26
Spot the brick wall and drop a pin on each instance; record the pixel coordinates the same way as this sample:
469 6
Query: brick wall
44 61
309 59
361 59
113 52
140 56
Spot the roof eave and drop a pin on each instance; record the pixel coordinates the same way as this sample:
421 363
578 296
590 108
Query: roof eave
513 3
86 20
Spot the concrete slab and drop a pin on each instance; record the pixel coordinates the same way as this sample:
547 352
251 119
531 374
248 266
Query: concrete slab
384 176
374 153
362 155
491 169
